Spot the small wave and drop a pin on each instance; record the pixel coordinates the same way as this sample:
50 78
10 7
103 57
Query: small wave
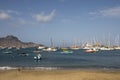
40 68
54 68
28 68
7 68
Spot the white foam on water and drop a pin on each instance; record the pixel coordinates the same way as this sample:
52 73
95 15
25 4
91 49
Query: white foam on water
7 68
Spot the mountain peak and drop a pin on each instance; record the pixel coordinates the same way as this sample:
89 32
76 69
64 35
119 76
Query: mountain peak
11 37
12 41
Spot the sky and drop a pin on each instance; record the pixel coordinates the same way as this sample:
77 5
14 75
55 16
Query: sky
65 21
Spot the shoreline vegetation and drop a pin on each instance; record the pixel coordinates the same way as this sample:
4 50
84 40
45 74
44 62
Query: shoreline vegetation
81 74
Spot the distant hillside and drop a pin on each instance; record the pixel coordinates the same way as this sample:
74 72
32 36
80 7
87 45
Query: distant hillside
12 41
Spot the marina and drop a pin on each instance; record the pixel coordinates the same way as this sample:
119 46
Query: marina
59 39
76 59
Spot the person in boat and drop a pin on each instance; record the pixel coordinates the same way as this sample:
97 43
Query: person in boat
38 57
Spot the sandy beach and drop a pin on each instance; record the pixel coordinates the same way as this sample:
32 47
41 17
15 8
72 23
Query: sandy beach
59 74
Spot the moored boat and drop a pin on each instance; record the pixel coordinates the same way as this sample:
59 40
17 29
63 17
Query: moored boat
66 51
41 47
50 49
91 50
23 54
74 48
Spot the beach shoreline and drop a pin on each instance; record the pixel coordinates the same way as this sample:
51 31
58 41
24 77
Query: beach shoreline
59 74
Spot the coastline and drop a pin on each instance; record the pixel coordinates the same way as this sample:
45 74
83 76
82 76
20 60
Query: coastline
59 74
54 68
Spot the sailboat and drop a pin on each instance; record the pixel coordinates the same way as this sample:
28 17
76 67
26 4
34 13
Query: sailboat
117 47
75 47
51 48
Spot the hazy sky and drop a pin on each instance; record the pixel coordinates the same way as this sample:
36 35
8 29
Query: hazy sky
62 20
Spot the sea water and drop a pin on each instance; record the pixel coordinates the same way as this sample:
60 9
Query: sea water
76 60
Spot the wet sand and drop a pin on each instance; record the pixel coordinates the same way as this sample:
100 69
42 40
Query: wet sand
59 74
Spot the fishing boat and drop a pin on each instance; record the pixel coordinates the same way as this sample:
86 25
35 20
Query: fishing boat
38 57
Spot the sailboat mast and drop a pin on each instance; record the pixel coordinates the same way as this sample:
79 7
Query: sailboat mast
51 45
117 40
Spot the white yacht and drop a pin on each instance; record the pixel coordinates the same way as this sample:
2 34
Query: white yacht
50 49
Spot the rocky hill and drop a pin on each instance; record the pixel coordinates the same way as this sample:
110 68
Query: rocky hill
12 41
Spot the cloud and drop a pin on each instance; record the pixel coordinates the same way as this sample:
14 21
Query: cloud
4 16
110 12
44 18
10 12
14 12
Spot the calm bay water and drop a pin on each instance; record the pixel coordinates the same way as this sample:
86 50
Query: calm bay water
78 59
